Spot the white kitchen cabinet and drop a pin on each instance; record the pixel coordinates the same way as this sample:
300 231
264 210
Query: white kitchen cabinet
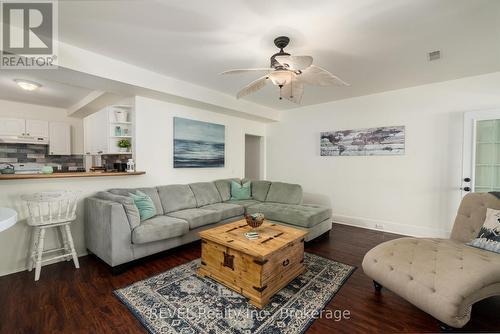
59 138
12 127
103 131
96 134
36 128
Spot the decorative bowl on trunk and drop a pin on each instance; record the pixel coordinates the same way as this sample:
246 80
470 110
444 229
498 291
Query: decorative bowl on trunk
255 220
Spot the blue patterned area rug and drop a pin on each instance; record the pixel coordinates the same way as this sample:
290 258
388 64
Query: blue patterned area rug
178 301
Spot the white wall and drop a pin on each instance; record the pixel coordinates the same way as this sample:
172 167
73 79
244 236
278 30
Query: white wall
415 194
154 145
253 157
12 109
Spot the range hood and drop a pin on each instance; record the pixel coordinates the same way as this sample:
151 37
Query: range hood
24 140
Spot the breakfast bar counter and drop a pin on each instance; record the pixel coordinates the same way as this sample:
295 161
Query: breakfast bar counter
65 175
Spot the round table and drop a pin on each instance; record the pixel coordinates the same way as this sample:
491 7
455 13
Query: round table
8 217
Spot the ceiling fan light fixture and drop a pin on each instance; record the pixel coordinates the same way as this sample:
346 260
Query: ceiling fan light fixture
280 77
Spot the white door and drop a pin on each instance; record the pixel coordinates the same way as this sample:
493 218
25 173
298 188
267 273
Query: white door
481 157
59 138
35 128
12 127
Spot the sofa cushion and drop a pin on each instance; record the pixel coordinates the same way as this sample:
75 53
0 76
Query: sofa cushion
197 217
287 193
176 197
151 192
299 215
244 202
260 190
205 193
443 277
224 188
159 228
131 211
226 210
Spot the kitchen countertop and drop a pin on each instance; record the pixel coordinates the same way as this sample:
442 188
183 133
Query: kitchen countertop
65 175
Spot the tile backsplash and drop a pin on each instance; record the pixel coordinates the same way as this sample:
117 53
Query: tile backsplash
24 153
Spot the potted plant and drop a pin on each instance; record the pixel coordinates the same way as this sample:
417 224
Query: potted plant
124 145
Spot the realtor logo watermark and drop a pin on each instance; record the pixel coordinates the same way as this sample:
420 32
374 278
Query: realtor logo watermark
29 34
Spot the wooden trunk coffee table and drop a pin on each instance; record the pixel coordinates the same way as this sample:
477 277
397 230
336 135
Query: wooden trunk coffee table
258 268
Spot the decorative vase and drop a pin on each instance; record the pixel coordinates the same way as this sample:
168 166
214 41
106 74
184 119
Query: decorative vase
123 149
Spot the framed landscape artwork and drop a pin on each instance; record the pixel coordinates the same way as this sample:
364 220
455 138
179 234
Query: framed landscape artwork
388 140
198 144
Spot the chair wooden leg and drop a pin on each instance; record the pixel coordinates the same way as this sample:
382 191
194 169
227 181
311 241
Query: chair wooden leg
39 252
33 248
378 286
67 249
72 246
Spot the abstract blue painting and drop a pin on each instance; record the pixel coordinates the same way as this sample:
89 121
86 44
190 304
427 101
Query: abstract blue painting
198 144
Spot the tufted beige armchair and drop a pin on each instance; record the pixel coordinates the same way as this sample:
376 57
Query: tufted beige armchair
443 277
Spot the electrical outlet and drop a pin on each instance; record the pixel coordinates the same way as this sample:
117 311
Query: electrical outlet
379 226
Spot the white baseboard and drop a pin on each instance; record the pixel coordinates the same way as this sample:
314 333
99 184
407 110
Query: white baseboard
391 227
25 268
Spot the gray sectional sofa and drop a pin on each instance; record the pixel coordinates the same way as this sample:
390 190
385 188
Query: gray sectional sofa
114 232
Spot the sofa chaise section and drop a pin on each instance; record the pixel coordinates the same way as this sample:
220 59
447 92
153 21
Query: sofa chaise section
282 205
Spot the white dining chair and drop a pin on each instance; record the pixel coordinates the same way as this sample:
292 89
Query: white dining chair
52 209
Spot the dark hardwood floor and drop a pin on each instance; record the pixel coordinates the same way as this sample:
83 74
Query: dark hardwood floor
66 300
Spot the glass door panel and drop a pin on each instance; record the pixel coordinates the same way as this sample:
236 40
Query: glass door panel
487 157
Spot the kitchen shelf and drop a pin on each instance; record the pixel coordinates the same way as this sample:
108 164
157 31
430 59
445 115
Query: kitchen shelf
130 123
120 136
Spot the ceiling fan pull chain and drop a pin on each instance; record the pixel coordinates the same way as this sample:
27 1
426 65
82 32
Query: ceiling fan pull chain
281 92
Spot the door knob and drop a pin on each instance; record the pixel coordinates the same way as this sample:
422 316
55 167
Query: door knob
467 179
466 189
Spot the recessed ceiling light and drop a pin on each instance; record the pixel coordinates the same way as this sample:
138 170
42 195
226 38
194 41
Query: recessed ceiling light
27 85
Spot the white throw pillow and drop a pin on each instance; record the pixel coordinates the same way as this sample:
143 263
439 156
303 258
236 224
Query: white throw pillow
489 235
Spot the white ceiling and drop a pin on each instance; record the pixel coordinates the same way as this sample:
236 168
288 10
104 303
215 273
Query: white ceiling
376 45
52 93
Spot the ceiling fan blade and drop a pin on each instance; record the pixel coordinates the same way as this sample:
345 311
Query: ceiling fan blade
315 75
297 63
252 87
246 70
293 91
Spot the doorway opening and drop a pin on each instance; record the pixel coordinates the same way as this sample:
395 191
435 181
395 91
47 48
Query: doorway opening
254 157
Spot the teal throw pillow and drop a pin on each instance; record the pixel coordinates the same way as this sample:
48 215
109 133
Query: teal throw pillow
239 191
144 204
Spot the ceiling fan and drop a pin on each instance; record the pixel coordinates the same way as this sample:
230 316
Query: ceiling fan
289 73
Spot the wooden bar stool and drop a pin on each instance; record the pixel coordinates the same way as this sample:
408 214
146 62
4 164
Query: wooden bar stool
48 210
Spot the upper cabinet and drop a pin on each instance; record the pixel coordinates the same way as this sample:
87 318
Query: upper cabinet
104 129
35 128
12 127
28 131
59 138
